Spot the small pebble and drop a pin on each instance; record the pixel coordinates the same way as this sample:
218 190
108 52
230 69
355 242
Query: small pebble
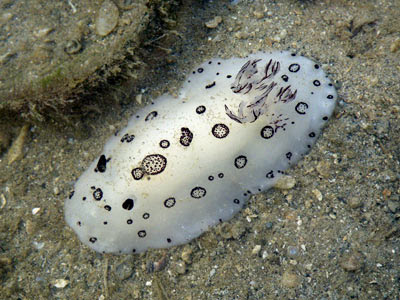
395 46
290 279
124 270
30 227
187 254
283 34
258 14
354 202
256 250
352 261
161 264
212 272
139 98
107 18
393 205
180 267
290 215
292 251
60 283
386 192
317 194
269 225
323 168
293 262
42 32
285 183
214 22
264 254
56 190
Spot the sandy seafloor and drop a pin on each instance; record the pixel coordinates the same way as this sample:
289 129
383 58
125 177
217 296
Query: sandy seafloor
334 235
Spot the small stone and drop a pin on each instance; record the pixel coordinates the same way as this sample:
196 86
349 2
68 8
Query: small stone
323 168
60 283
290 215
256 250
238 229
160 264
258 14
395 46
393 205
187 254
290 279
354 202
293 262
285 183
124 270
317 194
283 34
292 251
241 35
180 267
386 192
352 261
276 38
214 22
264 254
269 225
41 33
107 18
212 272
56 190
139 98
30 227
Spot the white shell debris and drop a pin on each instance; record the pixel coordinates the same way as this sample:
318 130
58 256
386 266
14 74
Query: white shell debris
35 210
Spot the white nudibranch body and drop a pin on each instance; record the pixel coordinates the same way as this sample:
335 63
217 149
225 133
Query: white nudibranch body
187 163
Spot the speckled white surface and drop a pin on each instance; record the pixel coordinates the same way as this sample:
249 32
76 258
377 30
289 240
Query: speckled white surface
184 164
